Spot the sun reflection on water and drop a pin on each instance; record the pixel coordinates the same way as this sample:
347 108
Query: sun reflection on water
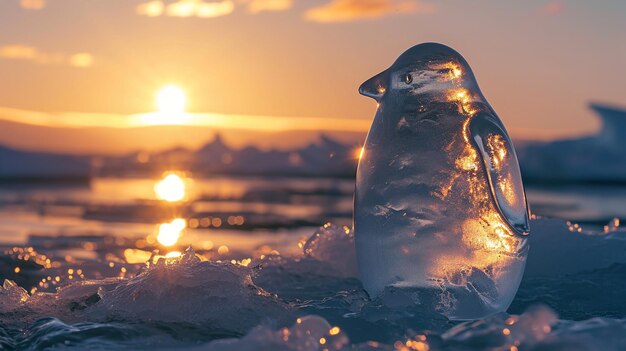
169 233
171 188
135 256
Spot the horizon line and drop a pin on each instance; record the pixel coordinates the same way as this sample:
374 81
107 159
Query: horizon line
77 120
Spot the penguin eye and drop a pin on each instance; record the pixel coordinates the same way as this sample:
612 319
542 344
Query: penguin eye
406 78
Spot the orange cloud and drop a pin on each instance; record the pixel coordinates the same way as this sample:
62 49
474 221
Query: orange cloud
18 52
199 8
32 54
207 9
153 8
186 8
256 6
352 10
553 8
82 60
32 4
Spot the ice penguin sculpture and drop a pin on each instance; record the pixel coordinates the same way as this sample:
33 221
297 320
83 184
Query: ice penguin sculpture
440 209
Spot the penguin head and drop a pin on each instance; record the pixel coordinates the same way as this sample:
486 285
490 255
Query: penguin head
423 69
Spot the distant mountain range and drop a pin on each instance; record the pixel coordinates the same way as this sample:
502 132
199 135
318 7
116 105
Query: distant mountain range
16 165
594 158
325 157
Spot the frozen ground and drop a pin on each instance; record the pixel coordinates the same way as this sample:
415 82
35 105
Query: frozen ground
571 298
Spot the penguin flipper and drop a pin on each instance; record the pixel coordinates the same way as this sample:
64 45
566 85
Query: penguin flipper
502 168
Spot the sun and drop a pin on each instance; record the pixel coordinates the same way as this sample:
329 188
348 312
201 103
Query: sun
171 99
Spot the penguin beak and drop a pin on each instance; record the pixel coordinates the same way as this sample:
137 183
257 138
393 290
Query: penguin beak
376 86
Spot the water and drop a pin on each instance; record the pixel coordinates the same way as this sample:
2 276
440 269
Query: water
91 241
129 208
585 203
45 208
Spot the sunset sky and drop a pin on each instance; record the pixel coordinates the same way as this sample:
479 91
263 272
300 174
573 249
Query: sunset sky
278 65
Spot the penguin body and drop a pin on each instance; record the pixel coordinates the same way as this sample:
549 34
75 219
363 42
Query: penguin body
439 200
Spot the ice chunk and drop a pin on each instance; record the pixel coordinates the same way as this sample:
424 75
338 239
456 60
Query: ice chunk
536 329
11 295
527 330
177 290
309 333
613 226
189 290
333 245
327 265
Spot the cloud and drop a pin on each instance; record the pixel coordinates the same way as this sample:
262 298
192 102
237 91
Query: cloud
256 6
82 60
186 8
352 10
33 4
32 54
18 52
553 8
332 11
153 8
200 8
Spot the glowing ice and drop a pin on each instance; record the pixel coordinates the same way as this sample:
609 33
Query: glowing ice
439 200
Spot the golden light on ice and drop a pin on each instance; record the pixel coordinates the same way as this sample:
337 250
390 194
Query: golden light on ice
171 188
464 98
455 70
359 152
171 99
173 254
169 233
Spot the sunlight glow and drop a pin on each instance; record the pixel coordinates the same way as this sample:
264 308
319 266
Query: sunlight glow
135 256
171 188
359 152
173 254
169 233
464 98
171 99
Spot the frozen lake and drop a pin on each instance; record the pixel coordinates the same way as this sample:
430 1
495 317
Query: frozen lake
130 207
91 240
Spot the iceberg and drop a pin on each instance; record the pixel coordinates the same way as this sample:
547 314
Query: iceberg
599 158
